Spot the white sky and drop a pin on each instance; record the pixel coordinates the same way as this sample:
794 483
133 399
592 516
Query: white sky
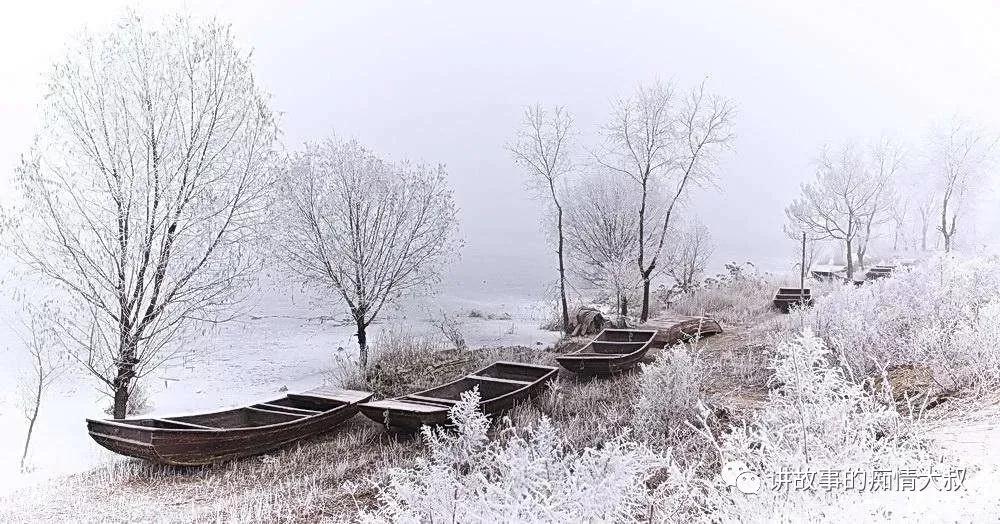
446 81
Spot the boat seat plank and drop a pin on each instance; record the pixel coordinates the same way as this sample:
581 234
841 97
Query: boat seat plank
188 424
274 412
523 365
349 396
290 409
403 405
432 399
500 380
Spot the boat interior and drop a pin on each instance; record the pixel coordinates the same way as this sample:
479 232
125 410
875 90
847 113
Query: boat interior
286 409
493 381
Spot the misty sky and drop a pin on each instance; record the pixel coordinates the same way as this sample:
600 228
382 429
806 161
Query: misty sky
447 81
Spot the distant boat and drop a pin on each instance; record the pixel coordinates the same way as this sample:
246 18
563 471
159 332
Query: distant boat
877 272
787 296
501 385
226 435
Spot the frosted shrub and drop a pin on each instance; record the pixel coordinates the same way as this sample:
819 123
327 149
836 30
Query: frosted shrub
738 297
942 313
518 478
669 393
815 419
815 415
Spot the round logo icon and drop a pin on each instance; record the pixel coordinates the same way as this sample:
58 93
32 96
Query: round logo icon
736 474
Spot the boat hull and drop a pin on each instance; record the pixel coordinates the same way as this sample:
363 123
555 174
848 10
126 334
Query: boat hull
188 446
408 414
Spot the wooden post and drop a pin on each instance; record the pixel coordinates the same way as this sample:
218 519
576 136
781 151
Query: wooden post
802 274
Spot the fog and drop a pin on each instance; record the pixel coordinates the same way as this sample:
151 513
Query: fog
447 82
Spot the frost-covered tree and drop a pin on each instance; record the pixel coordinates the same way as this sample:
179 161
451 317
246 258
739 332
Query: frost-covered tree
366 230
959 157
665 144
542 148
884 161
602 237
690 251
46 364
846 199
142 190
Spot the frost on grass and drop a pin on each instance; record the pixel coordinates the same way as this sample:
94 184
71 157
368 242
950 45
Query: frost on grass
532 477
669 396
944 313
815 419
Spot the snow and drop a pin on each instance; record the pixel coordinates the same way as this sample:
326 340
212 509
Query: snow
280 343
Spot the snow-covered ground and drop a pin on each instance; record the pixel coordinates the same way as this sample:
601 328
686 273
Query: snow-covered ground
282 342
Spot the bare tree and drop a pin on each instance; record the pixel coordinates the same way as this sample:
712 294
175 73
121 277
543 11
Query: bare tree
366 230
665 146
882 166
687 261
926 209
602 237
541 147
959 156
839 202
41 344
143 188
900 210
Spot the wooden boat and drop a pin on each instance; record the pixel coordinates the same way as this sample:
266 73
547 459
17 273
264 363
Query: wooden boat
787 296
829 276
225 435
680 328
879 272
501 385
613 351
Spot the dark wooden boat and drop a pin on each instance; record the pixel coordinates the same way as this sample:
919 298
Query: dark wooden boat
225 435
879 272
680 328
829 276
787 296
501 385
613 351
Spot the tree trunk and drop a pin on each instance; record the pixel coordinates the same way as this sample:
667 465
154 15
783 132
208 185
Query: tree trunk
34 417
644 314
850 259
362 344
562 271
120 408
861 258
623 305
122 381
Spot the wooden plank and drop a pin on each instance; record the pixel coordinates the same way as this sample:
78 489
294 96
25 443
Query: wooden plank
402 405
500 380
188 424
296 415
433 399
523 365
267 405
341 395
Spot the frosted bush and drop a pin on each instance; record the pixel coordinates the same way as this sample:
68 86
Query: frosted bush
816 418
942 313
669 394
815 415
532 477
